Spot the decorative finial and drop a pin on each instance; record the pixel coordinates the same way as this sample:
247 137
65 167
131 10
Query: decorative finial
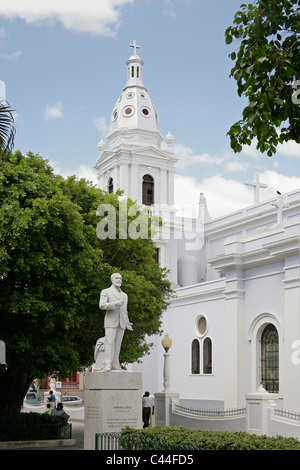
169 139
101 145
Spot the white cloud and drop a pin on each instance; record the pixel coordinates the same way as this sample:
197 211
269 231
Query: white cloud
186 157
101 125
278 182
222 195
11 56
83 171
54 111
99 17
169 9
289 149
228 161
227 195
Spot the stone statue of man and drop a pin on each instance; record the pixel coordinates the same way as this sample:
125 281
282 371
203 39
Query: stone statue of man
114 301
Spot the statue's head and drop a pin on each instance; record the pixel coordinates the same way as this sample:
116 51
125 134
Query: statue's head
116 279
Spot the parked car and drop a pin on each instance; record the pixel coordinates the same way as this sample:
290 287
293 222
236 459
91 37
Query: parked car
31 397
71 400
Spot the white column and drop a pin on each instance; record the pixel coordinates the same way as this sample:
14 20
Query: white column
162 198
289 375
134 183
234 354
123 178
171 187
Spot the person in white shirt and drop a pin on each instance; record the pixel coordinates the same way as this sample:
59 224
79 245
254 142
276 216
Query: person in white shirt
148 407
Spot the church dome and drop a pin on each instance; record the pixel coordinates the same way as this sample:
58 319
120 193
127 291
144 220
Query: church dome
134 108
187 268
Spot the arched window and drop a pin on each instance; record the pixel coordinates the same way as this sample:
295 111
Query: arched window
110 185
156 255
148 190
195 357
207 356
270 359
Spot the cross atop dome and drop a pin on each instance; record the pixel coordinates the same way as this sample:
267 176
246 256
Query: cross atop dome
135 47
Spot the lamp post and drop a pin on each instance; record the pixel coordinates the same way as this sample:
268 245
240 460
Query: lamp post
166 344
165 400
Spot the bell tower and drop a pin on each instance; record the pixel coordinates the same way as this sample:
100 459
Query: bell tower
138 160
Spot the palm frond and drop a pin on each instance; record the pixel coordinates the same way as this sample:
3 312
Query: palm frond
7 126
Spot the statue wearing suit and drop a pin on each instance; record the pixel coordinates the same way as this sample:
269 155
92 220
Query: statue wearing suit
114 301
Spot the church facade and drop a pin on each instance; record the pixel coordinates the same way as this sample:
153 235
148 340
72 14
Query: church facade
235 319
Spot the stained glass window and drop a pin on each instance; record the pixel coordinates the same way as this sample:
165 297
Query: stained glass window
270 359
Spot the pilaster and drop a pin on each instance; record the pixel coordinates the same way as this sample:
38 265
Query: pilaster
234 357
289 379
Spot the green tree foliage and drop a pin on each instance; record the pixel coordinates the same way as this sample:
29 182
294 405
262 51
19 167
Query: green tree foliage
267 73
52 268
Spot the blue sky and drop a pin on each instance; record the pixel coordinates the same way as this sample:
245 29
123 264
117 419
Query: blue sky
63 66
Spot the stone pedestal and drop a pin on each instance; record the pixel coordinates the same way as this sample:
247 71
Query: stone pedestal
113 400
163 407
257 404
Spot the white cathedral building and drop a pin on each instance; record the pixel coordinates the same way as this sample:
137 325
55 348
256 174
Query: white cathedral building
235 319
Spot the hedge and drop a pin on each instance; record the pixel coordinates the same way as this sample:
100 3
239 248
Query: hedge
31 426
212 440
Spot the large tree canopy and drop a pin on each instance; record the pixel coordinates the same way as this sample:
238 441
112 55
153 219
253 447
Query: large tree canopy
52 268
267 73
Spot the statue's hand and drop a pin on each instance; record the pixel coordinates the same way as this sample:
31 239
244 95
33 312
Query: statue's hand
129 326
119 303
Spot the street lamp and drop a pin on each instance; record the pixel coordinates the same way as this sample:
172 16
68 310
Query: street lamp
166 344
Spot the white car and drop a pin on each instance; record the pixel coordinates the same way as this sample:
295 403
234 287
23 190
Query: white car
71 400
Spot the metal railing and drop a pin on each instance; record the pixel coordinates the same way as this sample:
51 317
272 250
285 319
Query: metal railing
108 441
287 414
210 413
115 441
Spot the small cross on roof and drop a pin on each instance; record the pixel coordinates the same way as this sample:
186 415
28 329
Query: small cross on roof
135 47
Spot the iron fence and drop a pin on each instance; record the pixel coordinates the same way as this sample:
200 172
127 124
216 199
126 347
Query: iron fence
207 412
115 441
287 414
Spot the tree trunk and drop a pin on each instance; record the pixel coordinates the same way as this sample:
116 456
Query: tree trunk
13 388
